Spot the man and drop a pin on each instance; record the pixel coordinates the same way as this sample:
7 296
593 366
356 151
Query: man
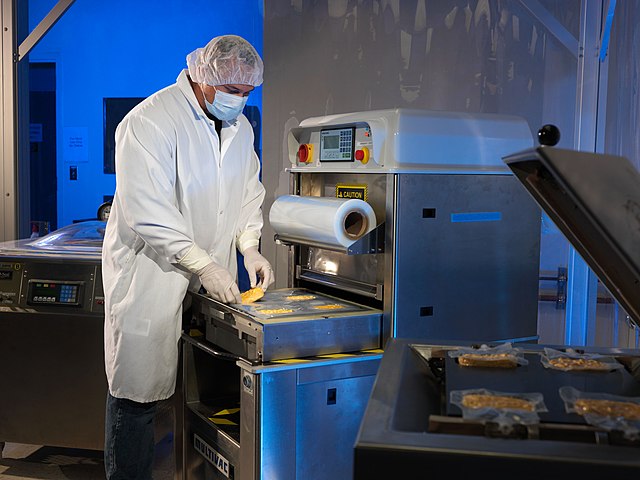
187 196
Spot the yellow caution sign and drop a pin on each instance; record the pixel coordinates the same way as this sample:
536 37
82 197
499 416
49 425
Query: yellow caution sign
358 192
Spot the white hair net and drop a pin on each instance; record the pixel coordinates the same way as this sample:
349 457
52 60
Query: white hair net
225 60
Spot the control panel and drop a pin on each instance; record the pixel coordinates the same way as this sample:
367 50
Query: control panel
406 140
34 285
52 292
344 146
336 145
10 278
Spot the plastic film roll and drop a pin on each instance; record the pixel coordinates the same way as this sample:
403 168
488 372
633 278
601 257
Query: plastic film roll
331 221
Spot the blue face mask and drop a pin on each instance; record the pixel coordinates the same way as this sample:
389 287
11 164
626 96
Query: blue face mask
225 106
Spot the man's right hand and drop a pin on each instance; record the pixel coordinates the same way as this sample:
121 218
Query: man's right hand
219 283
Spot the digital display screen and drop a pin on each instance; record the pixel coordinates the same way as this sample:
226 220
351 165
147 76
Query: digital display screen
336 145
44 292
331 142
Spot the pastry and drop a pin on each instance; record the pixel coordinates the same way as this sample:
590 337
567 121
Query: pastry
608 408
487 360
300 297
473 400
568 363
252 295
275 311
328 307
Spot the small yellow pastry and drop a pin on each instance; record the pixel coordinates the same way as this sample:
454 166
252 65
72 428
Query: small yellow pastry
328 307
252 295
488 360
608 408
496 401
566 363
297 298
275 311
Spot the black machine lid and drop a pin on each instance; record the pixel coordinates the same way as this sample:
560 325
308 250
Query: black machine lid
594 199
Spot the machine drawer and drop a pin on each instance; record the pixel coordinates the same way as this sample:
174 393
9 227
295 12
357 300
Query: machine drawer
292 328
211 412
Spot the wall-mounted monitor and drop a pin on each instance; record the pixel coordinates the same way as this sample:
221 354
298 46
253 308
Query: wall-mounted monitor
114 110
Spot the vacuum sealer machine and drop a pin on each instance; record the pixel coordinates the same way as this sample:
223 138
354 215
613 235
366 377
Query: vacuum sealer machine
453 253
411 423
51 326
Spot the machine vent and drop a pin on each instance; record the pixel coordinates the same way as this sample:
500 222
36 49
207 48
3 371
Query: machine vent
426 311
428 213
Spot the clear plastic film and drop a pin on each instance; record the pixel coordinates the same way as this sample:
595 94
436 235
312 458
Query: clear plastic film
502 408
331 221
570 360
606 411
501 356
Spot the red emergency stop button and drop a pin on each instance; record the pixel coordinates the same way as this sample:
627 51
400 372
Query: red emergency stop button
362 155
304 153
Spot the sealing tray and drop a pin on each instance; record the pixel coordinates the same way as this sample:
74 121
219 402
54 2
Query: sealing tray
307 303
317 326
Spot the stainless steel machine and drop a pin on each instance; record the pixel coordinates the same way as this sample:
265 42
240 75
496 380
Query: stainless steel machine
51 329
454 255
410 423
270 403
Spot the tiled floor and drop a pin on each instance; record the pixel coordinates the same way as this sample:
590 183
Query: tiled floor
30 462
52 463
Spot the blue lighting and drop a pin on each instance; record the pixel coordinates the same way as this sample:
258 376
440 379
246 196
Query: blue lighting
476 217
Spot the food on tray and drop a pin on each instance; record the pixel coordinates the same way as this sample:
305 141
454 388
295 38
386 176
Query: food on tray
329 307
571 360
275 311
488 360
496 401
252 295
568 363
608 408
603 410
501 356
297 298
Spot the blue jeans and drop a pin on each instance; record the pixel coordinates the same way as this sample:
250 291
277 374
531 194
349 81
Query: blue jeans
129 439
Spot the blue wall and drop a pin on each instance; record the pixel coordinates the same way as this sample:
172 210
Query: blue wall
124 48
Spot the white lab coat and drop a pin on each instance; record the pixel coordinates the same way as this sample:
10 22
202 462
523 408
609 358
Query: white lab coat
175 187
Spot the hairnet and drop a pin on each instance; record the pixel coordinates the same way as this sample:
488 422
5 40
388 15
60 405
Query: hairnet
225 60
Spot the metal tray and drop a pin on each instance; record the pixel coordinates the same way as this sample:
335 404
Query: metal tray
307 330
308 304
411 396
